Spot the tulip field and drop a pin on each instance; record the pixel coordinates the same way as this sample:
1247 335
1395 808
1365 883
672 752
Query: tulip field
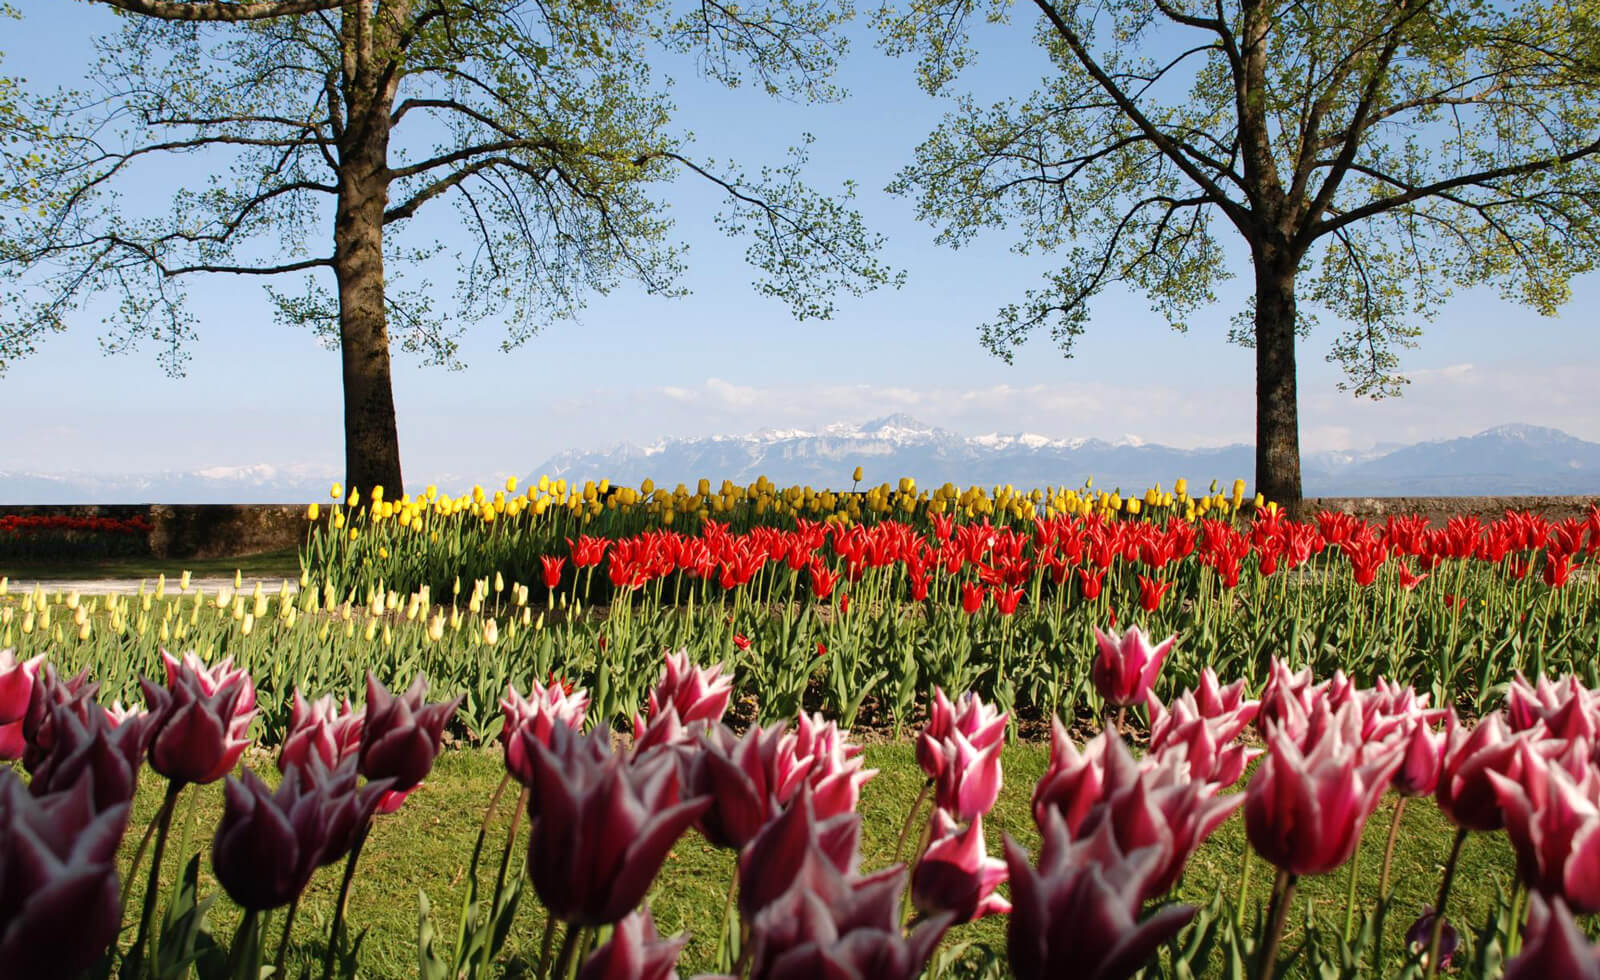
647 699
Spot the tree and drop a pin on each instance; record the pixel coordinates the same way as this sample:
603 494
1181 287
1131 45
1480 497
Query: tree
338 122
1370 155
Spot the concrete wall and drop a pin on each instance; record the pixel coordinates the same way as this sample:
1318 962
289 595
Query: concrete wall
226 530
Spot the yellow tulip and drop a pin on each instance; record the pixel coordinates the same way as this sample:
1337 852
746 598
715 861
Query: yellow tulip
511 484
1180 487
313 512
336 491
856 474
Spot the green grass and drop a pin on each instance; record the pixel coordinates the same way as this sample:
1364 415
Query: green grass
271 564
428 844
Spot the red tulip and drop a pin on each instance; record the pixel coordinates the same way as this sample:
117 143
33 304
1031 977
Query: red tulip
201 721
635 951
1553 946
1005 600
587 550
1126 669
1150 593
1078 914
600 826
956 873
402 735
534 717
822 580
1091 582
972 597
1304 812
552 570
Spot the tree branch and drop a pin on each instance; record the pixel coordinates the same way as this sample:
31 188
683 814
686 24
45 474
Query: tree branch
223 12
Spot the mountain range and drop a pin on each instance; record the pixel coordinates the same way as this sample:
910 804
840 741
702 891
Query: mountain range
1508 459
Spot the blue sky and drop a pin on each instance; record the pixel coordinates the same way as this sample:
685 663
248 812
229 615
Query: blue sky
725 360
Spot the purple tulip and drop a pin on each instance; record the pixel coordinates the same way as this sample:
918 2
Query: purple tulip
824 920
48 691
401 735
59 892
599 826
1553 946
269 843
86 747
1077 915
956 873
748 779
635 951
1421 934
536 714
200 721
1124 672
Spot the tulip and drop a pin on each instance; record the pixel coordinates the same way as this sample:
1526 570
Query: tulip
971 597
1464 792
322 729
88 748
969 778
698 694
269 843
1418 936
552 570
1304 812
1126 669
1074 781
747 779
1077 915
956 873
1091 582
1151 592
635 951
38 724
534 717
1422 756
16 686
200 721
982 725
836 775
59 891
1553 821
1553 945
599 828
779 854
402 735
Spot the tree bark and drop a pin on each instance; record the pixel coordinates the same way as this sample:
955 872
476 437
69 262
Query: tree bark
1277 405
371 437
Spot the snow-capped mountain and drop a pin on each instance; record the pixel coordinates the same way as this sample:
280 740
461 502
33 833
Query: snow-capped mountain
260 483
1511 459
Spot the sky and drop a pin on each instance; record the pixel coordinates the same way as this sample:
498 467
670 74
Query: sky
725 360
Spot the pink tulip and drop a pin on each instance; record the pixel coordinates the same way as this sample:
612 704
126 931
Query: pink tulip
1553 946
1214 700
778 854
1554 825
1422 756
1074 780
1125 670
635 951
1206 743
1077 915
956 873
699 694
969 778
16 685
1465 792
1566 706
48 691
533 717
322 728
836 775
982 725
748 780
1304 812
201 720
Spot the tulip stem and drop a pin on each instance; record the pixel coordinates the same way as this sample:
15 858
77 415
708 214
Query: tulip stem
163 823
1388 850
1122 720
569 943
283 940
336 934
911 818
1277 915
1444 893
244 957
544 946
726 955
1244 887
1350 893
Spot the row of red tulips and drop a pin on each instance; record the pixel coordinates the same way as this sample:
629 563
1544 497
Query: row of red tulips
23 523
1116 832
1006 559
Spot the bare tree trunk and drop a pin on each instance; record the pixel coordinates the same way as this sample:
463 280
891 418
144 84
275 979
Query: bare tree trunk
1277 404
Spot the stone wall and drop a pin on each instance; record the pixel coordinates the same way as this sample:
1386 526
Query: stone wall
227 530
